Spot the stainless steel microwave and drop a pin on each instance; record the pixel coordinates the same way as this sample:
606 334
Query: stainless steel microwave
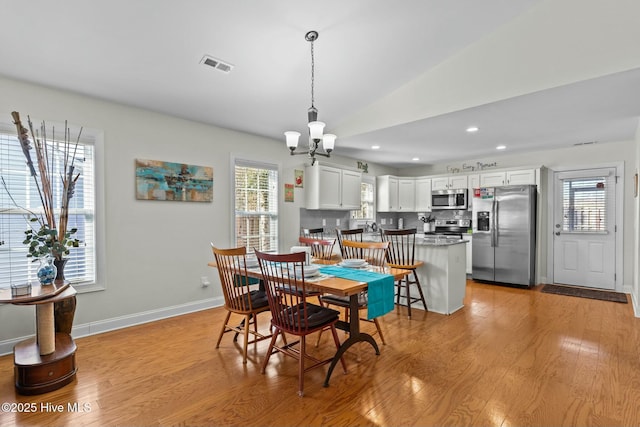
449 199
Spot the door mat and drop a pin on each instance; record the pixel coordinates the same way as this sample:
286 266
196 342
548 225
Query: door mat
585 293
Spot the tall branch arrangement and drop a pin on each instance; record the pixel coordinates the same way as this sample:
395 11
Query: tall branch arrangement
52 237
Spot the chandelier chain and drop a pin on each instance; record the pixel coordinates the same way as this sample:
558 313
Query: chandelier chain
312 75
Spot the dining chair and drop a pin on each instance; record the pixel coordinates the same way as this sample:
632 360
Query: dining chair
314 233
321 249
239 298
292 313
401 254
374 253
354 234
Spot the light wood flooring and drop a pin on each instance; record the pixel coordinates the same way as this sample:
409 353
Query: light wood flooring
511 357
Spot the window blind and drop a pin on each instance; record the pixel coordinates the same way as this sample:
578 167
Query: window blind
19 200
256 206
584 205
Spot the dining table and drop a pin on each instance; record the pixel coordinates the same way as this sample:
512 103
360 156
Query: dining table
351 284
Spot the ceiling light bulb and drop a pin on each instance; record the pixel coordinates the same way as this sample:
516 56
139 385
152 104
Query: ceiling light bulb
375 147
472 129
501 147
415 159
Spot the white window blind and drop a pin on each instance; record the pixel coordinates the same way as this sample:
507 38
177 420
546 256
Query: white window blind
584 206
15 266
256 206
367 197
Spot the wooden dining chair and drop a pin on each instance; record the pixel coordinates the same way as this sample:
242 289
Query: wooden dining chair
401 254
292 313
375 254
239 297
321 249
313 233
354 234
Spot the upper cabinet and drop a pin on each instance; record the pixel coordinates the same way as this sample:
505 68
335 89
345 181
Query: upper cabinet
448 182
423 194
512 177
332 187
395 194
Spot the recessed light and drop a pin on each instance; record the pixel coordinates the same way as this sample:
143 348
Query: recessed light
375 147
415 159
472 129
501 147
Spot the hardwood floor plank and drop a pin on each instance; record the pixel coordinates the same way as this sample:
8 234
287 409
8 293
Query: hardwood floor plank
510 357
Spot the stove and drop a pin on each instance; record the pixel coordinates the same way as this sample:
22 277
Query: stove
451 227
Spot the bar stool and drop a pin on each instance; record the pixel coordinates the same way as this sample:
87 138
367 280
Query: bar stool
401 254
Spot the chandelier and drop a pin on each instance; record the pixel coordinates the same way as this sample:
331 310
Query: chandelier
316 128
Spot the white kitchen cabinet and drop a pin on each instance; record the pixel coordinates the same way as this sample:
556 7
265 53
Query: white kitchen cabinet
473 181
330 187
395 194
511 177
449 182
423 195
406 195
492 179
521 177
386 193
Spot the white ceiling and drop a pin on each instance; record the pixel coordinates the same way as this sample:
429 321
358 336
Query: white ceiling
369 55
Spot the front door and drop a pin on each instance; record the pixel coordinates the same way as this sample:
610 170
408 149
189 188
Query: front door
584 228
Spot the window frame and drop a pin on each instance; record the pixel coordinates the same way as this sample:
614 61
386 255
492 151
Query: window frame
94 138
238 161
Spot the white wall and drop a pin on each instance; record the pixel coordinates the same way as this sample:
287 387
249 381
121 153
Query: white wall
635 294
154 252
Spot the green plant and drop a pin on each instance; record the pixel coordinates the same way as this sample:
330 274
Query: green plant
47 241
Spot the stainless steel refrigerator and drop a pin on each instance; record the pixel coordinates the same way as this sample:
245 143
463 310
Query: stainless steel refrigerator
504 234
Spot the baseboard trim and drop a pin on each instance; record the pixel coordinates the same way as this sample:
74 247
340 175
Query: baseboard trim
99 327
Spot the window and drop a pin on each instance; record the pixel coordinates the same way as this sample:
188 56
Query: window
367 198
584 204
256 206
15 266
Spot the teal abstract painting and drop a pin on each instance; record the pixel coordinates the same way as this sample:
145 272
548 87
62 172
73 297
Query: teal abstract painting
159 180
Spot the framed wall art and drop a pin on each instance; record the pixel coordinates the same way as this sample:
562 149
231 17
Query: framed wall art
160 180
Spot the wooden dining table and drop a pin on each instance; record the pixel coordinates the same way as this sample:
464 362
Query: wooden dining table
341 287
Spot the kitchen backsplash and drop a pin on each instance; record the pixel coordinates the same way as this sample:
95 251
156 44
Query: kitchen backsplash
314 219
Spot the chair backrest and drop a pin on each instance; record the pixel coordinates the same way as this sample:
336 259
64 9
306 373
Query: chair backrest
232 268
375 253
354 234
286 290
402 244
320 248
314 233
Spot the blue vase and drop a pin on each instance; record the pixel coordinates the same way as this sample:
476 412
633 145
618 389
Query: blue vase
47 271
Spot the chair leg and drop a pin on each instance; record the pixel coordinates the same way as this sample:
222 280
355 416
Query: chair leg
224 328
303 354
274 337
375 321
246 338
424 302
408 285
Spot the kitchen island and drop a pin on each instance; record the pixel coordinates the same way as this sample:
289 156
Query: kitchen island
443 275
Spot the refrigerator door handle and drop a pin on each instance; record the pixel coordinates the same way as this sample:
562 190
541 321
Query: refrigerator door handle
493 223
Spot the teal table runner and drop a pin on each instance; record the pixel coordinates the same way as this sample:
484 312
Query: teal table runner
380 288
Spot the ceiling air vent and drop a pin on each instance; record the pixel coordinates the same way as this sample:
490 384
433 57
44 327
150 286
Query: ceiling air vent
218 64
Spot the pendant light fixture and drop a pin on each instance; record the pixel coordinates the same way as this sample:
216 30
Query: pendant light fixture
316 128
